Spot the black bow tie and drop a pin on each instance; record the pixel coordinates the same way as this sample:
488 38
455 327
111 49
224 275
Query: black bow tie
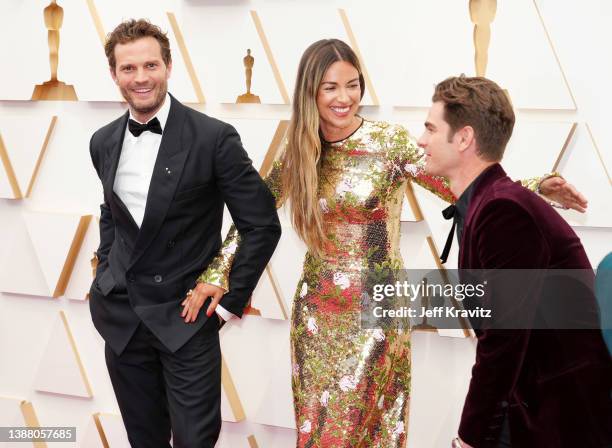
448 213
136 128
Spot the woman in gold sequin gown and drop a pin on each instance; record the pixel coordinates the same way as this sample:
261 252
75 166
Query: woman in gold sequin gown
351 385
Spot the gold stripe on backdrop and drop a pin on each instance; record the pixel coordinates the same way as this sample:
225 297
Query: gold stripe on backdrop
185 53
568 139
93 11
41 155
355 47
270 56
75 351
231 392
10 172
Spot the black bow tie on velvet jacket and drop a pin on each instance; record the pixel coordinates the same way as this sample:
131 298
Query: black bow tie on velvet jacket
458 211
449 213
137 128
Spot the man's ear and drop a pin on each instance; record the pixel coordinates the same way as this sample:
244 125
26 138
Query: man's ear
466 137
168 70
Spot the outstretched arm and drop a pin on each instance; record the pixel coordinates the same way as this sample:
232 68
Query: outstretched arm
410 159
555 188
410 162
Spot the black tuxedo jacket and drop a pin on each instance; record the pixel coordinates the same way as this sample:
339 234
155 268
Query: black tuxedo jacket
553 384
143 274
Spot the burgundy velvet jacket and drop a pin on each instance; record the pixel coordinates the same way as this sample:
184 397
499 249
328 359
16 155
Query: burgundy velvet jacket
554 385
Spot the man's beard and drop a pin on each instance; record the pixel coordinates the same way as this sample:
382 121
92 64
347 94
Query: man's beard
159 99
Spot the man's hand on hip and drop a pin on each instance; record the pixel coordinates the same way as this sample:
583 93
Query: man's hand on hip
196 298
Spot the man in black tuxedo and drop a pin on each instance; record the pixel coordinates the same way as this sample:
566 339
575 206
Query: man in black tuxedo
167 171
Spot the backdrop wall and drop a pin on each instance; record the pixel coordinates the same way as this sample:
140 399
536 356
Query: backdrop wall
550 55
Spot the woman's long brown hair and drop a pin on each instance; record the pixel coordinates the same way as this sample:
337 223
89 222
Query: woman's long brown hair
300 175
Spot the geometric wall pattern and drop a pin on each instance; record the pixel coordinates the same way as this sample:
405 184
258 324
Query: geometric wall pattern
22 150
45 245
49 192
105 431
83 270
61 370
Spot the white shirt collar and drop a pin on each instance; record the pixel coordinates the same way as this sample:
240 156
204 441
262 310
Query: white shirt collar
162 113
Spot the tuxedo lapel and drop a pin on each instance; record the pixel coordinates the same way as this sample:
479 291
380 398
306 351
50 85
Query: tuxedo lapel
113 149
167 171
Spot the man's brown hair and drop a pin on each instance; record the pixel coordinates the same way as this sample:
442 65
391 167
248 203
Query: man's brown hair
480 103
132 30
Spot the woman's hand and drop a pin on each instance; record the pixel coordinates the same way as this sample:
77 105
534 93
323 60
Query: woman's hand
196 298
562 192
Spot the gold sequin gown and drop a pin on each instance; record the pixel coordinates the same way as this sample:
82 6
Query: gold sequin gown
351 386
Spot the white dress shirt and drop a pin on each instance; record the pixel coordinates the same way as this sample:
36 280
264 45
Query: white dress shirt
136 165
135 170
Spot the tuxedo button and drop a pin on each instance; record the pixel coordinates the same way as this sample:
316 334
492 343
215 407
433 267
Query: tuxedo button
158 278
504 404
171 244
131 278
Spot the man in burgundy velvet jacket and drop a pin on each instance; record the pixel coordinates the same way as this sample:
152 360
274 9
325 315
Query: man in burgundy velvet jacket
530 387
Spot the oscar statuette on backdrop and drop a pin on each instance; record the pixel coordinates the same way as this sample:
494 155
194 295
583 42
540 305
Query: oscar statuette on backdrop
482 14
248 97
54 89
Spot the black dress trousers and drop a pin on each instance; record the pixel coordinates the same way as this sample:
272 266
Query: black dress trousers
158 390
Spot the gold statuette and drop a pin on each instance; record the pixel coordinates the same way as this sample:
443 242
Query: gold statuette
482 13
54 89
248 97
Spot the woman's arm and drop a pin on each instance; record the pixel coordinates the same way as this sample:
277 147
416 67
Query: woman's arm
410 159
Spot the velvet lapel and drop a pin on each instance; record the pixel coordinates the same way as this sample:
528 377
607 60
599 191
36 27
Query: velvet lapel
168 168
492 174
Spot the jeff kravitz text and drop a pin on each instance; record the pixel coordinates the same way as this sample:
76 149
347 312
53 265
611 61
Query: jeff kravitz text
402 291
